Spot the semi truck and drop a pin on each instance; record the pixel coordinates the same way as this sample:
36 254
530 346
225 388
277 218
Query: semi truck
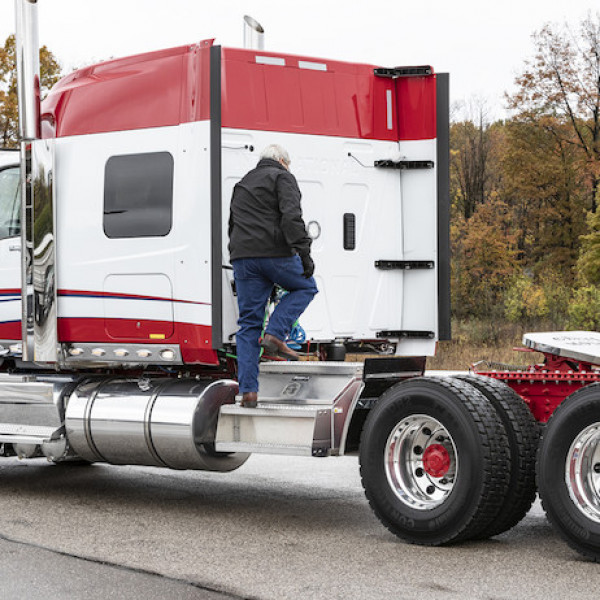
117 303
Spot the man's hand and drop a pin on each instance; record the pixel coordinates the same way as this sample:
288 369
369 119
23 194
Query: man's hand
308 264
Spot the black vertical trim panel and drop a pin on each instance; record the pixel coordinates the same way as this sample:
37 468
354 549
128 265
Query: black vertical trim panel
349 231
215 197
443 203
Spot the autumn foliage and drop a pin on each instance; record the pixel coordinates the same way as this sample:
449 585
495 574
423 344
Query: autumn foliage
9 114
525 191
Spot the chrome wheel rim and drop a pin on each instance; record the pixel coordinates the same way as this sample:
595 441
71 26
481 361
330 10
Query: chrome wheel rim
582 472
421 462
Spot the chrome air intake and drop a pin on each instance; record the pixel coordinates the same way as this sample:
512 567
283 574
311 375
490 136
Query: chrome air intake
164 423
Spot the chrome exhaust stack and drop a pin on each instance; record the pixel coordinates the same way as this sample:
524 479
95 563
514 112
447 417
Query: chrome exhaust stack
28 95
39 330
254 34
28 69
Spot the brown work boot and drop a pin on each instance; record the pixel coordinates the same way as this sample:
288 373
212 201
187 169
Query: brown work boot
275 347
249 399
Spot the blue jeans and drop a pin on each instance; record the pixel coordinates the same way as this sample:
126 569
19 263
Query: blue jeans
254 281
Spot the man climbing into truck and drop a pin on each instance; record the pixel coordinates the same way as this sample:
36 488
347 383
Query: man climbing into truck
268 246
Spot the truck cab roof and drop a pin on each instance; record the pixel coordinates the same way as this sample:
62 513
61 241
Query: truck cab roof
259 90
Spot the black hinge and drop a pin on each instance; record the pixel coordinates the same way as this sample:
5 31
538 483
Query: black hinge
406 265
404 165
394 333
395 72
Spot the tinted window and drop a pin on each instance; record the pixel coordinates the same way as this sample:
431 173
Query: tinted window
10 203
138 195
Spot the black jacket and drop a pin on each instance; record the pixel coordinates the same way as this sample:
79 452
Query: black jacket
266 218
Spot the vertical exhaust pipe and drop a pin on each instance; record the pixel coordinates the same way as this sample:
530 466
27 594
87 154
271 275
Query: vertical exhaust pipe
254 34
28 69
28 95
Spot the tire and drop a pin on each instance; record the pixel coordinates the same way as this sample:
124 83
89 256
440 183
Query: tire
523 438
433 461
568 470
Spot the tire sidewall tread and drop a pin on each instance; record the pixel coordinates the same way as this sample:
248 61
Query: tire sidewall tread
523 439
482 460
572 416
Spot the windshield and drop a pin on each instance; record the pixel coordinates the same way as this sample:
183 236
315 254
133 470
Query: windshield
10 203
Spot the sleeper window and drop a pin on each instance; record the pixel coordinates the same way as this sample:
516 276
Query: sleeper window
138 195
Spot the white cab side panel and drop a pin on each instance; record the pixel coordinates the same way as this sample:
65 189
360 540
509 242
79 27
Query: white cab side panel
396 219
169 274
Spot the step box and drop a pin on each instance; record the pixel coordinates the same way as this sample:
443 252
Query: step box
304 409
32 406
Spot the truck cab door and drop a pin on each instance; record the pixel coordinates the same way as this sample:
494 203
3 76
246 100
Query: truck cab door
10 255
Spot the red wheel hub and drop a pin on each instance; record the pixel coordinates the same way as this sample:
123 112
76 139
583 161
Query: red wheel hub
436 460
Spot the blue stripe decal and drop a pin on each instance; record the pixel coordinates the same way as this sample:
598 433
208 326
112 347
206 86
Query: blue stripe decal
115 297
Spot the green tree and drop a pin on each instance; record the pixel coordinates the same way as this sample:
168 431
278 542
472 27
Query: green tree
588 265
543 185
584 309
525 301
483 261
50 73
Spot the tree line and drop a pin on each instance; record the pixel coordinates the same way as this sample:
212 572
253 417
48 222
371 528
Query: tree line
525 228
525 191
50 73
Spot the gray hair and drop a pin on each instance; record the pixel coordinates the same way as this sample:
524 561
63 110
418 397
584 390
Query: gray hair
276 152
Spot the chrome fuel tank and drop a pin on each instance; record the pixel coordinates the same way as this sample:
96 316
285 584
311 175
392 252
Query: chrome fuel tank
165 423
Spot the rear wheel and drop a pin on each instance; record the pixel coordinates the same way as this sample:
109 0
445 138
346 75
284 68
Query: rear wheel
568 470
522 432
433 461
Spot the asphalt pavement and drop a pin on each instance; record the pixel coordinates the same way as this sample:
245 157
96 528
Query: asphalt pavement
28 571
277 528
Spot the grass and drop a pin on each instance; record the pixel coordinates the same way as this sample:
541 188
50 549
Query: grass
474 341
462 355
492 342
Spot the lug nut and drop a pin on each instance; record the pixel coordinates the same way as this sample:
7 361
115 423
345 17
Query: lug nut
426 431
440 438
430 489
418 450
419 472
597 468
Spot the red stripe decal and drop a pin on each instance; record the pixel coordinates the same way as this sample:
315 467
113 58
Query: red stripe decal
10 330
